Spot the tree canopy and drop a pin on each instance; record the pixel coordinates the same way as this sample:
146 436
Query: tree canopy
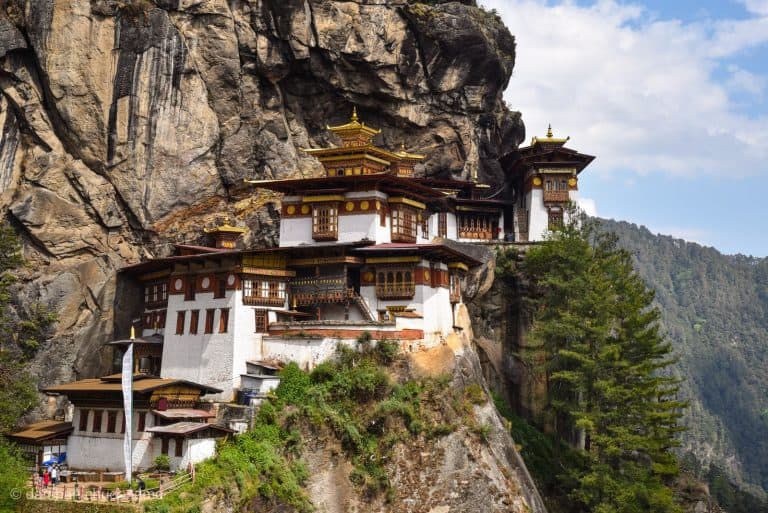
605 366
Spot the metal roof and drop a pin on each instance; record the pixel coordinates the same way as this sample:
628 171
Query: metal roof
152 339
187 428
183 413
438 249
41 431
141 384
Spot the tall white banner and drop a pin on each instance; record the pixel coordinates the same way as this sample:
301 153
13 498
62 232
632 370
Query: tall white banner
127 381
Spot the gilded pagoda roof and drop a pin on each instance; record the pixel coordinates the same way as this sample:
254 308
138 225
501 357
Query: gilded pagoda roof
404 155
354 125
549 138
225 228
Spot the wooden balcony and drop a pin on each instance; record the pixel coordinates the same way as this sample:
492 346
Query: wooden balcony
271 300
403 237
556 197
476 234
396 291
309 298
328 235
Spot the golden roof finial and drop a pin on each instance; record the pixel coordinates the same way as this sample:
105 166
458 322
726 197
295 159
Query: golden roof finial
354 114
550 138
225 227
403 153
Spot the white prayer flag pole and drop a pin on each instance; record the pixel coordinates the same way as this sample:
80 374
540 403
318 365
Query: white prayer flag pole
127 382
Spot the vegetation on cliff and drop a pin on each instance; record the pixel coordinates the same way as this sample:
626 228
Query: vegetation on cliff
715 312
595 335
352 403
21 332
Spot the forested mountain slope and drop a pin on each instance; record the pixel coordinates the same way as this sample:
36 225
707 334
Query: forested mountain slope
715 311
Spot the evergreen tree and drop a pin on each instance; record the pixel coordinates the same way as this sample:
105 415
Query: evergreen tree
605 369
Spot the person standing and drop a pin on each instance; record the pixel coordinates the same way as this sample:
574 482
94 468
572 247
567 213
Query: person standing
46 478
55 475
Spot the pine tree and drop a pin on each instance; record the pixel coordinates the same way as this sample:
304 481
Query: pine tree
605 367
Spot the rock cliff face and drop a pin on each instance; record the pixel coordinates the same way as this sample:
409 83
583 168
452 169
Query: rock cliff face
128 125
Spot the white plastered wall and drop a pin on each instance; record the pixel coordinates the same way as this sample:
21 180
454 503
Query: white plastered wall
215 359
206 358
538 218
99 451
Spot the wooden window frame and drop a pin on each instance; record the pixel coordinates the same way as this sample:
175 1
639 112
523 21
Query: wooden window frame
434 276
142 424
395 282
164 441
476 226
264 292
111 421
83 421
261 320
223 320
325 221
194 321
155 294
191 288
554 219
180 321
178 449
97 419
209 318
454 287
404 223
220 287
442 224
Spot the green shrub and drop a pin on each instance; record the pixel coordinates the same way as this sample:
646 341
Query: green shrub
323 373
475 394
163 462
386 351
293 385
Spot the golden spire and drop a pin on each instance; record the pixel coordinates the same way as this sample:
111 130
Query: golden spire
133 332
549 139
354 133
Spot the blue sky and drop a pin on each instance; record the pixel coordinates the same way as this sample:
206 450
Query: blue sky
672 98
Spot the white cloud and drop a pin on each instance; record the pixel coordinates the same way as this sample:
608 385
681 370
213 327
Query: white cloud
743 80
588 205
640 93
756 6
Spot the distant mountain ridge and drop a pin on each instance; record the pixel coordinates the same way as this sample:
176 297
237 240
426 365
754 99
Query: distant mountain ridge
715 311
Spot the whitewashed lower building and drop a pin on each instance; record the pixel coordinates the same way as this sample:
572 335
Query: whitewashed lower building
168 418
